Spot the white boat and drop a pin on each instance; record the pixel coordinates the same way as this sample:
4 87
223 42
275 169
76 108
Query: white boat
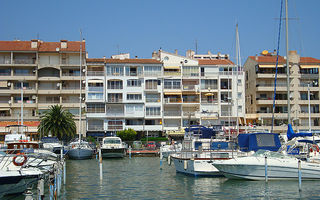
52 144
80 150
167 150
279 167
113 147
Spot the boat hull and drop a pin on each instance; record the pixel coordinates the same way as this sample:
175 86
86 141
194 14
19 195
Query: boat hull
276 170
80 154
113 152
201 167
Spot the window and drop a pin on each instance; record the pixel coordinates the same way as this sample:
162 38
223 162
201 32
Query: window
114 71
209 84
115 84
239 95
151 84
134 83
152 70
152 111
172 84
134 96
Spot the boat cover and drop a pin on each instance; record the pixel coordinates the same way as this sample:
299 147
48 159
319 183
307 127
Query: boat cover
256 141
202 131
291 134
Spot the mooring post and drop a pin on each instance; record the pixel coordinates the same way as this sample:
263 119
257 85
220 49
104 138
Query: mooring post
299 174
161 156
130 149
266 168
100 161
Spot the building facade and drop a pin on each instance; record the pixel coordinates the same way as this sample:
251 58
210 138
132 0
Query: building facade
163 94
260 82
50 75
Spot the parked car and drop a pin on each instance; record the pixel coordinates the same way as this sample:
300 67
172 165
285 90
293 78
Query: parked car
137 145
151 145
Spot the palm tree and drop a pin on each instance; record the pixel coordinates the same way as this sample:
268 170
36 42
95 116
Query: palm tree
58 122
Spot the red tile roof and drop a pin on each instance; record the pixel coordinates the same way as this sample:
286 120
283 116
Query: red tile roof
129 61
72 46
309 60
268 59
216 62
26 123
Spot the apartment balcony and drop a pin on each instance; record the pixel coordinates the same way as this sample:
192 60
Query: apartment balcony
309 76
151 89
276 115
135 127
24 62
209 101
115 127
304 87
306 102
115 100
172 101
153 100
72 90
190 75
189 113
53 90
5 90
152 74
95 73
153 115
72 77
172 74
115 114
26 104
270 101
26 90
266 75
270 87
95 89
209 115
170 114
226 113
191 101
209 74
95 128
190 87
153 127
305 114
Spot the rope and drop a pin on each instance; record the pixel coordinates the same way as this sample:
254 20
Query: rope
275 78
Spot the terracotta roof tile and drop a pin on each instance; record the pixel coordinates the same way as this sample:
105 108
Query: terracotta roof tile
72 46
268 59
309 60
216 62
26 123
125 61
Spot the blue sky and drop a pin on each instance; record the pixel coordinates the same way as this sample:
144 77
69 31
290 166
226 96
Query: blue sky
139 27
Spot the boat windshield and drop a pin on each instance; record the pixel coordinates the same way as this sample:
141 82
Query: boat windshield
112 141
263 153
50 140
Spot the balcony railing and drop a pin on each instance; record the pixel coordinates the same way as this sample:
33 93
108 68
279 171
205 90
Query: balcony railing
172 73
152 100
158 74
172 113
225 113
189 113
209 101
95 73
172 87
95 110
49 102
25 88
24 74
191 100
172 100
5 73
95 89
210 87
188 87
190 74
114 100
115 127
24 61
95 127
72 88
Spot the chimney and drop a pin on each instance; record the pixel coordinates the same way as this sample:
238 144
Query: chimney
34 44
64 44
176 51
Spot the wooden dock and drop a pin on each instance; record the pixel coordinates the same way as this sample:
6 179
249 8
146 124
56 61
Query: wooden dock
144 153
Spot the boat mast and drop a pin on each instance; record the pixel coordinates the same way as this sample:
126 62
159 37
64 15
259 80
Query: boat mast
287 63
21 108
80 98
238 62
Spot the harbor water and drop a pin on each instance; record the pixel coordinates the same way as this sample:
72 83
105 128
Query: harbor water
144 178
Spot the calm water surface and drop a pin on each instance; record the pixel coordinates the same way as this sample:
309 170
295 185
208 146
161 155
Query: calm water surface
142 178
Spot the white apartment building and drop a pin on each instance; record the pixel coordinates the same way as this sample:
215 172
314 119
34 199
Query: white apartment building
50 73
163 94
260 77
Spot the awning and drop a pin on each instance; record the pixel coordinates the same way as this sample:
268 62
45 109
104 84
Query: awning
172 93
171 67
3 83
209 94
269 66
309 66
95 81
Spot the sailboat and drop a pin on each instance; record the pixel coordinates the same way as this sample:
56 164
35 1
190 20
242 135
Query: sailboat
274 165
80 149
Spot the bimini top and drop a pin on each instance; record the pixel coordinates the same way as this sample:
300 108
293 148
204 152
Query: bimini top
256 141
291 134
202 131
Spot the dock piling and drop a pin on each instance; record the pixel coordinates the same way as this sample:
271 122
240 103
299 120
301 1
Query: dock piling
299 174
266 168
100 161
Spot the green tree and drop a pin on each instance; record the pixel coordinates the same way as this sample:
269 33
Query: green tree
58 122
127 135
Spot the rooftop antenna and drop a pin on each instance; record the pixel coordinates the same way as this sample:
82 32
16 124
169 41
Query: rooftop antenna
118 49
196 46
